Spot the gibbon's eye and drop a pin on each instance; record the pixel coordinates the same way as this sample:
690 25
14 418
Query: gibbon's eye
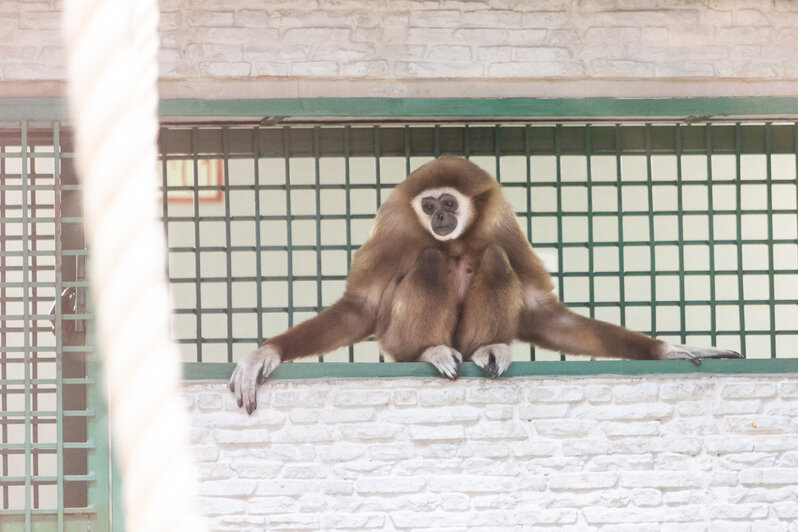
428 206
449 202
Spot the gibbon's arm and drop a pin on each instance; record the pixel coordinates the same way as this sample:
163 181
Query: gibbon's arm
347 321
548 323
350 319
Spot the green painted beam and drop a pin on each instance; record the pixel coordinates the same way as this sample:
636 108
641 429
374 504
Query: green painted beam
209 371
33 109
483 107
698 108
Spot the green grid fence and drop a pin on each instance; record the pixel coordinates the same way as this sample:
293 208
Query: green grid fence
687 232
53 431
682 230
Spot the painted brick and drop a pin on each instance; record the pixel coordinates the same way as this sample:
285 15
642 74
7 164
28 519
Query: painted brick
257 469
582 481
555 394
390 485
497 430
646 428
444 433
748 391
435 416
442 397
308 434
370 431
774 476
434 19
405 398
506 395
564 427
789 390
660 479
543 411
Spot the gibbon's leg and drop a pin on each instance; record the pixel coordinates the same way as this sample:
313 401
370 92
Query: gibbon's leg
489 318
422 316
548 323
344 323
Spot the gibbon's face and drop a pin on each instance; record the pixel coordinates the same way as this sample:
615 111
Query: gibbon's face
444 212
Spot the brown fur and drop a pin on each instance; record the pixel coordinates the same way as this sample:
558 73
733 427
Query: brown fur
485 287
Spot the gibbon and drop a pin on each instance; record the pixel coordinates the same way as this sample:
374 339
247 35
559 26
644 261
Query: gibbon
446 275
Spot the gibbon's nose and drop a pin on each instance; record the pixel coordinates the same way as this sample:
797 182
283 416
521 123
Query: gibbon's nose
439 215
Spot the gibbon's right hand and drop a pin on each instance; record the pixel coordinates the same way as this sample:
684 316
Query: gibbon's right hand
251 372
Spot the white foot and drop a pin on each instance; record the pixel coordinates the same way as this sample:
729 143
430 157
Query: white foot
493 358
697 354
445 359
251 372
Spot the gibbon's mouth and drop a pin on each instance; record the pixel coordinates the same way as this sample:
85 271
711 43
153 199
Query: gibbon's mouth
443 230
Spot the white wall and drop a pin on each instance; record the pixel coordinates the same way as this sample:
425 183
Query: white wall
569 48
672 453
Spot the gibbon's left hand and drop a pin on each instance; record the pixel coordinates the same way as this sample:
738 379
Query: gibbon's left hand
251 372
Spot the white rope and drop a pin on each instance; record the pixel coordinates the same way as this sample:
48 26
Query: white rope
112 50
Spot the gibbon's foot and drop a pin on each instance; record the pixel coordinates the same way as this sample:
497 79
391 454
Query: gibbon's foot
251 372
493 358
697 354
445 359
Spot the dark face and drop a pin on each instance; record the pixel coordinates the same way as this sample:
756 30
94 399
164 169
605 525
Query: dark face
441 211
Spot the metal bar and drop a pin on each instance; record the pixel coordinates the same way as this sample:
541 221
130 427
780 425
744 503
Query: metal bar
3 330
680 241
621 243
407 149
517 369
739 220
347 145
467 142
713 317
378 183
513 108
771 258
497 152
258 242
59 373
227 237
591 277
100 489
651 235
197 242
558 185
288 224
26 326
56 108
528 168
317 178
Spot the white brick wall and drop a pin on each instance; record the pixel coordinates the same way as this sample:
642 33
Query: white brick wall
252 48
610 454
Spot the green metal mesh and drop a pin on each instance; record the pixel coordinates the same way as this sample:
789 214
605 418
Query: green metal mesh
685 232
53 442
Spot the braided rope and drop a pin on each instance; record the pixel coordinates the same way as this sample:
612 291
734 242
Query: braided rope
112 50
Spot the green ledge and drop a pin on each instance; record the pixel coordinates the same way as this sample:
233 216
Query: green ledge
484 107
12 109
372 370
